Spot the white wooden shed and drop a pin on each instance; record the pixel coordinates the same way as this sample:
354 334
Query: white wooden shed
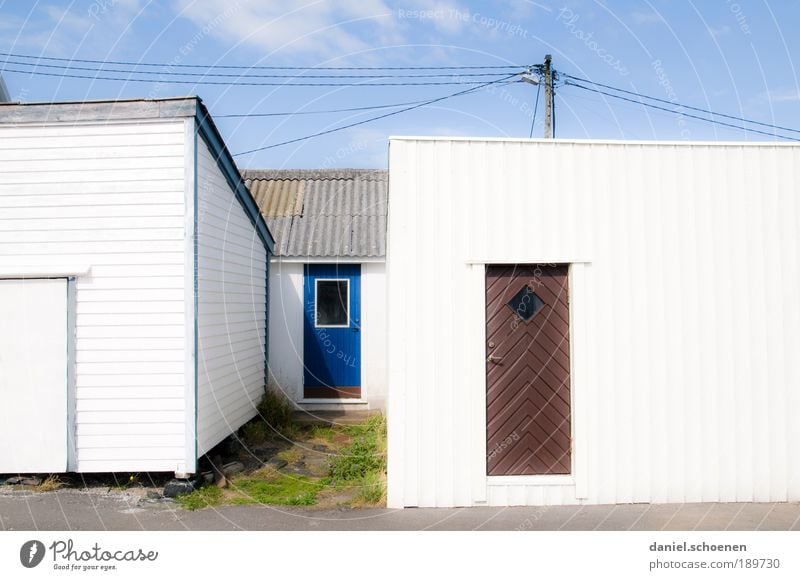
327 322
587 322
133 287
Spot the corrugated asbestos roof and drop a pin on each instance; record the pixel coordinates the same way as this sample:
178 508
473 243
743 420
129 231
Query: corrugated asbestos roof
337 213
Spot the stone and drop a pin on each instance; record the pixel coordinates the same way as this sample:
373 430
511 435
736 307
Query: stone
277 463
31 481
232 468
153 495
299 468
320 447
14 480
178 487
264 451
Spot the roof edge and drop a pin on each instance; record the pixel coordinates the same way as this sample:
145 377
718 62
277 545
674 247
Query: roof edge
313 174
651 142
211 135
101 110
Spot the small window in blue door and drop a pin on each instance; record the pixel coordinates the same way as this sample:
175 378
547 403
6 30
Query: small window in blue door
332 303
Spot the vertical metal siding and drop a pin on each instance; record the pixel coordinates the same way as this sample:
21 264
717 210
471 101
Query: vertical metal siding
231 317
110 195
685 319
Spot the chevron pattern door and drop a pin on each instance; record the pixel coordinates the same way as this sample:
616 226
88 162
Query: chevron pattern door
527 370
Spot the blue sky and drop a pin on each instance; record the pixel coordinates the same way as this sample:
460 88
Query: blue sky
731 57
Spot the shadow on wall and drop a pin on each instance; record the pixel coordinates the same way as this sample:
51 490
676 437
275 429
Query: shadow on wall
289 302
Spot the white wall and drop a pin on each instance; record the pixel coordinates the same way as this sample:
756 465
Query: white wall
373 333
232 280
286 332
286 328
110 196
685 321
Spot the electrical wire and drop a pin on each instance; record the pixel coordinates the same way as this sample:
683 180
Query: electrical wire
243 84
674 104
257 67
535 108
319 112
677 112
249 76
371 119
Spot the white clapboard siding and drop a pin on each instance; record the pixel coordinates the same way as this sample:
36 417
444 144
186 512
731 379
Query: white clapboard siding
231 308
685 319
110 196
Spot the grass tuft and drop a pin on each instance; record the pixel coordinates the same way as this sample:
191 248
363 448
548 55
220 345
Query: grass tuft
51 483
206 496
366 453
373 490
255 432
275 412
279 489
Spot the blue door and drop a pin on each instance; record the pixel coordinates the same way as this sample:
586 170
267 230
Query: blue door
332 331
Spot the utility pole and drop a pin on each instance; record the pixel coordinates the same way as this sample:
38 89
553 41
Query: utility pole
547 72
545 75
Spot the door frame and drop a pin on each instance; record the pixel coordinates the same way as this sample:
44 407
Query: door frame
579 279
521 267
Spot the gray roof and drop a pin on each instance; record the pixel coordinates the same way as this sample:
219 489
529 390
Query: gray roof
101 110
323 213
4 94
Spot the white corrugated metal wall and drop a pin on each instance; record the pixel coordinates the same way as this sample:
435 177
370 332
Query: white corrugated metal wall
231 308
109 196
684 279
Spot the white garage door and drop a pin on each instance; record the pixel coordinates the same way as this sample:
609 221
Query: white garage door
33 376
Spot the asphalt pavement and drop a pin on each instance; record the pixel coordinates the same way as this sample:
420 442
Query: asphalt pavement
71 509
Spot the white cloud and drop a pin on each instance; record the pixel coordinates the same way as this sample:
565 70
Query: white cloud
524 9
782 96
445 15
646 17
55 29
319 28
717 31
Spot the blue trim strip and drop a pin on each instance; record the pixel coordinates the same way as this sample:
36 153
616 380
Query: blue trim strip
266 326
208 131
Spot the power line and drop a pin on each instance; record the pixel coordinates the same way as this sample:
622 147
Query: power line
535 108
698 109
249 76
319 112
259 67
243 84
677 112
371 119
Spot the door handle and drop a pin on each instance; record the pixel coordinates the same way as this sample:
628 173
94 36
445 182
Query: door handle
494 359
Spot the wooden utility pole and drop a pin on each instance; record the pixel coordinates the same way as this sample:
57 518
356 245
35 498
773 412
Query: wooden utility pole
548 97
544 75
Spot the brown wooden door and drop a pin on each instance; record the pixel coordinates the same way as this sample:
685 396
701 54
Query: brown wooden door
527 370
